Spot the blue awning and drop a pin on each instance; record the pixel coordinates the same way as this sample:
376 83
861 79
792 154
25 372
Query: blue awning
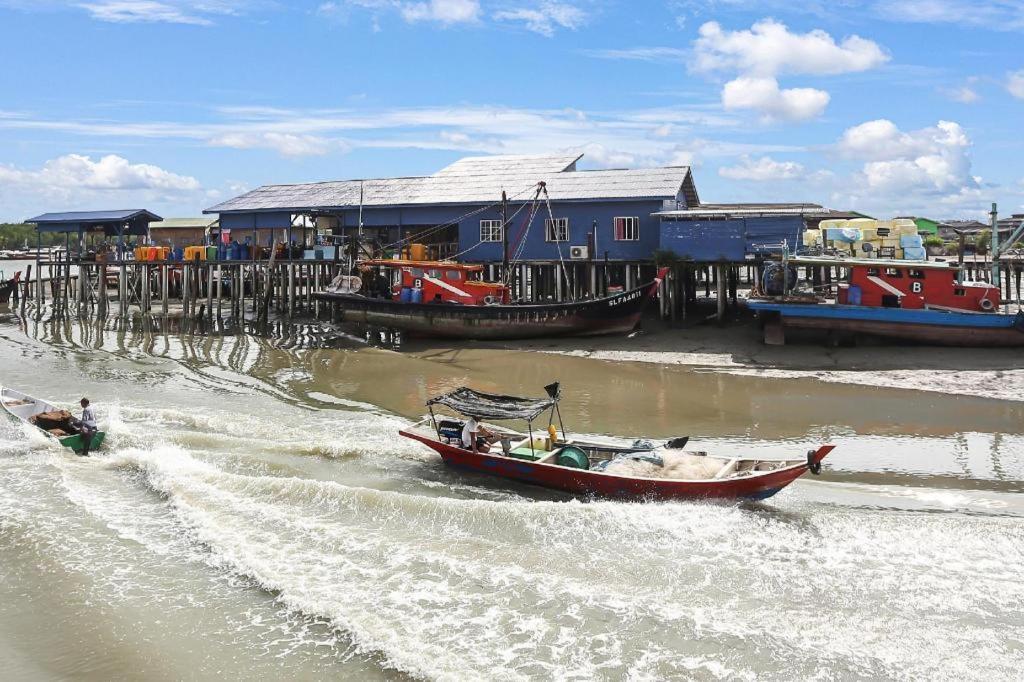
130 221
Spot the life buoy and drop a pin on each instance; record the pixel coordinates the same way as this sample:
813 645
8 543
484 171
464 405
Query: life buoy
986 305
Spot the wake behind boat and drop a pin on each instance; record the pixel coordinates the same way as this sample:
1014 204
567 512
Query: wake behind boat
449 300
641 472
54 422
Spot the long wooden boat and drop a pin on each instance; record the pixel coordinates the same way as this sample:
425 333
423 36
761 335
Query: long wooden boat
24 407
922 302
933 327
642 472
478 313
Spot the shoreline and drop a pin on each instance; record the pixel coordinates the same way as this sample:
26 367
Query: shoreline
736 348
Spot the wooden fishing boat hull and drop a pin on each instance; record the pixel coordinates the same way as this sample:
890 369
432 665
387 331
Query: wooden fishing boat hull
618 314
598 484
7 288
931 327
22 407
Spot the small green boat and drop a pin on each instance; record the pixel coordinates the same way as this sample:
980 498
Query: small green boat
25 408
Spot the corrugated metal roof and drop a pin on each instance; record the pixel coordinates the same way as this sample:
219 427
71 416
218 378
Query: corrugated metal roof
742 210
648 183
183 223
92 216
510 165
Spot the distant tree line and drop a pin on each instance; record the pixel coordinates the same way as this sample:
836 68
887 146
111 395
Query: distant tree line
14 236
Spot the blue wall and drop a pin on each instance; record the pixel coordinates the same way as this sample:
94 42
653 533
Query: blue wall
581 214
730 240
581 217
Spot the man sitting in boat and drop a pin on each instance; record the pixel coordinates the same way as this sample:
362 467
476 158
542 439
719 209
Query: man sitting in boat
476 437
87 426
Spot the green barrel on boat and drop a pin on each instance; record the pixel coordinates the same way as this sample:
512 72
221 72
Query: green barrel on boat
572 456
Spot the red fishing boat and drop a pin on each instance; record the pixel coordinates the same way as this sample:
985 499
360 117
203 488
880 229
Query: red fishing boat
643 471
444 299
922 302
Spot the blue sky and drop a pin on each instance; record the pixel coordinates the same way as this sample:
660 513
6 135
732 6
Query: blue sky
891 108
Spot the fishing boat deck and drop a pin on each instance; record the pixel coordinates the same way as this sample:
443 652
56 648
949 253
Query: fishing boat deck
675 464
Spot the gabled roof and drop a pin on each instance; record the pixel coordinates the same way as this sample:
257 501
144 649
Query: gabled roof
472 181
510 165
746 210
89 217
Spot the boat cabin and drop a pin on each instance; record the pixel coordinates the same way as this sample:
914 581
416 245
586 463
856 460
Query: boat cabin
442 282
915 285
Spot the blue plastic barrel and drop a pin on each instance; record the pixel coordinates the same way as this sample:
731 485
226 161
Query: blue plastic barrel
417 296
853 295
406 295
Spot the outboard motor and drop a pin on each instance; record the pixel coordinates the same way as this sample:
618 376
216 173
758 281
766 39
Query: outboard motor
778 280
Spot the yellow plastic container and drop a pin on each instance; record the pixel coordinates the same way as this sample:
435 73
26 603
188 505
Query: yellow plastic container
193 253
417 252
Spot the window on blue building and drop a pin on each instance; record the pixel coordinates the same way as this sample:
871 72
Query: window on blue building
626 229
556 230
490 231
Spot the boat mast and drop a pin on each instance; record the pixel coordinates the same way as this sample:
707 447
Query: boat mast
994 246
504 236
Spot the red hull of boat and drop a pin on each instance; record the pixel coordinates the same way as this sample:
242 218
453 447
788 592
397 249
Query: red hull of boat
583 482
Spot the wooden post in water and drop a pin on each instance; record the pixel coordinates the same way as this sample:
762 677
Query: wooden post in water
291 289
164 279
122 288
101 290
185 289
720 291
220 289
209 290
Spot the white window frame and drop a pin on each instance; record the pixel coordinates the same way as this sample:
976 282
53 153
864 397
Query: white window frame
492 227
559 224
631 222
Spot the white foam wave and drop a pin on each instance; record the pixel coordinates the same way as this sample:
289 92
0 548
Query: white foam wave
447 588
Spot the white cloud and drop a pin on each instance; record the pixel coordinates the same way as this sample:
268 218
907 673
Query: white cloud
769 48
109 173
933 161
445 12
286 144
1004 15
649 134
644 54
964 94
764 95
195 12
761 170
1015 84
545 17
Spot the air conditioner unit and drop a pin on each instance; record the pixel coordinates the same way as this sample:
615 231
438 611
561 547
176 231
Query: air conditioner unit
579 253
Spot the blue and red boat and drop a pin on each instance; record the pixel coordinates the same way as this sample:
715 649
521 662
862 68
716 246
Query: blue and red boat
922 302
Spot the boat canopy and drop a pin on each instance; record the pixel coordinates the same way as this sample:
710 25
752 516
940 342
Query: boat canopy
422 264
480 405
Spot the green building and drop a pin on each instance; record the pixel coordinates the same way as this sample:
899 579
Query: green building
927 226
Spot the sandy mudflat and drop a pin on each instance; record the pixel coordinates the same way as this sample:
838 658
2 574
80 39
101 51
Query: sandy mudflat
737 349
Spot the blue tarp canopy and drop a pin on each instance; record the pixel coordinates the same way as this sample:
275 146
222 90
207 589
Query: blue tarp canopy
131 221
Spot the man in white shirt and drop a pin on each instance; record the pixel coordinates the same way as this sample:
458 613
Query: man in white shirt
475 437
87 426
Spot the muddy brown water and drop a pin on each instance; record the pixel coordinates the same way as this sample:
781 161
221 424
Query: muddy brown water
254 514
